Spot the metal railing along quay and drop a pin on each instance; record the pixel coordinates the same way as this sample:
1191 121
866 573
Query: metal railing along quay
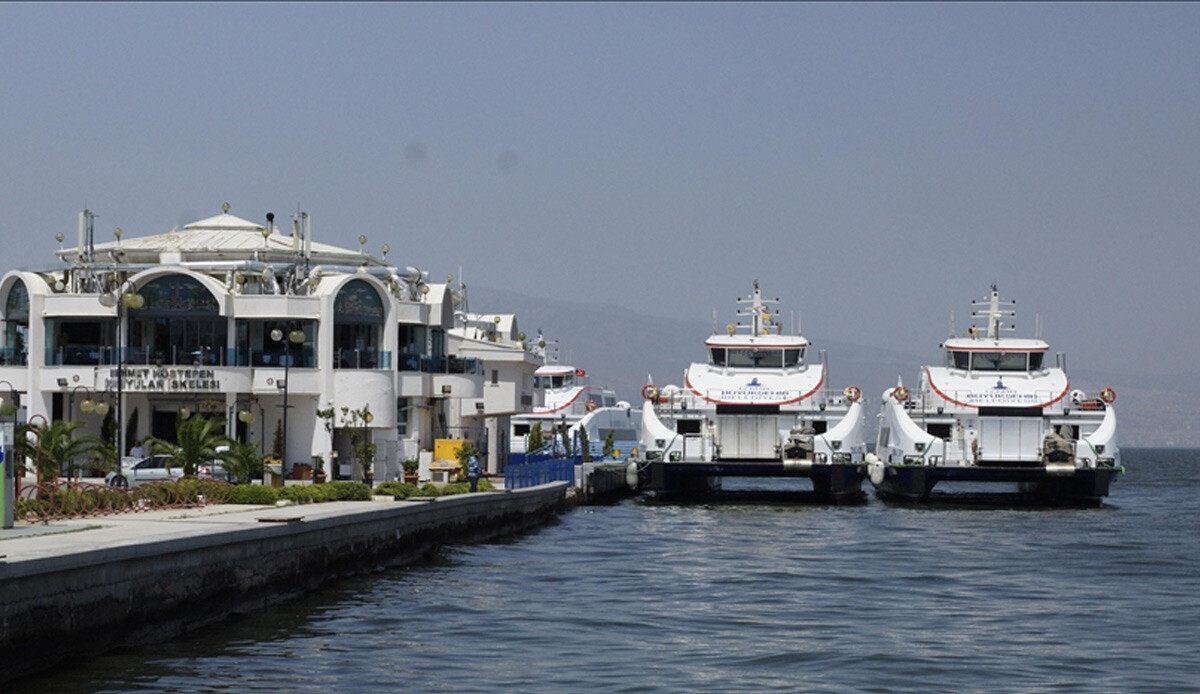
533 473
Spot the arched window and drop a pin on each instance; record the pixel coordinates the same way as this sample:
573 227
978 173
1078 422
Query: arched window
16 325
358 316
178 323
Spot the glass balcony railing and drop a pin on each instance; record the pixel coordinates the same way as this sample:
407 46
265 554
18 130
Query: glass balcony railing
10 356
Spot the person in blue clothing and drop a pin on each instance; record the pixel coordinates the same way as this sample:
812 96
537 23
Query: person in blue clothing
473 471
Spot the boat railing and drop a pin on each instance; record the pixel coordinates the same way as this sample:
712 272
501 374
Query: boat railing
955 400
832 397
683 401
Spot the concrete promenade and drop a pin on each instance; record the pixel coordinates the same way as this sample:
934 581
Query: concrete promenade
79 587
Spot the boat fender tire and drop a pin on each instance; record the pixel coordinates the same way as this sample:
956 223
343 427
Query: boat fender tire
1108 395
900 393
852 393
875 469
649 392
631 475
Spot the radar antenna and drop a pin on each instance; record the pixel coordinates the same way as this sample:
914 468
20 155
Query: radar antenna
994 313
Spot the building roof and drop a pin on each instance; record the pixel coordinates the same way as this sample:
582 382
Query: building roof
223 237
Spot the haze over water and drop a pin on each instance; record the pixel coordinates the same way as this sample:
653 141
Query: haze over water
648 597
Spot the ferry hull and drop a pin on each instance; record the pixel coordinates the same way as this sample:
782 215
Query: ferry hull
1085 486
839 482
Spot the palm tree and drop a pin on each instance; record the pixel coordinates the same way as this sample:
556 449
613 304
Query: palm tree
243 461
196 442
55 447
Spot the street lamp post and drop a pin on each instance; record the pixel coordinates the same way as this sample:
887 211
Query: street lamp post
12 391
294 336
88 406
262 429
8 482
241 408
123 298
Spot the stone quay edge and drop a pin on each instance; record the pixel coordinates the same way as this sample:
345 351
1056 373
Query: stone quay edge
81 587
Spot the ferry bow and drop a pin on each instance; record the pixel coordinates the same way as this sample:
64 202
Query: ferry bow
995 414
755 408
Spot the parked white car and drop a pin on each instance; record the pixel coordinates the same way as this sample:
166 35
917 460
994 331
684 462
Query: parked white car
137 471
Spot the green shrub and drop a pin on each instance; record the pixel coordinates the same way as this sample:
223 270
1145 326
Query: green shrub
397 490
299 494
428 489
254 494
319 493
465 487
347 491
191 488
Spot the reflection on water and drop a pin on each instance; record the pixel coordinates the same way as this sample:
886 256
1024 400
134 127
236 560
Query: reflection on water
761 595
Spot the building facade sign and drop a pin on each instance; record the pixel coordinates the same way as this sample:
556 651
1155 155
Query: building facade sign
163 379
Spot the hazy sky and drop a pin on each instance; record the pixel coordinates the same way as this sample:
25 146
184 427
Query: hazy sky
874 165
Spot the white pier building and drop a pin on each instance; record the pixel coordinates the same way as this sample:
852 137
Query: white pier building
284 338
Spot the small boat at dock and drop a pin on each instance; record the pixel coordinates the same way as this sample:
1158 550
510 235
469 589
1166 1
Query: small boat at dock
570 413
996 417
757 408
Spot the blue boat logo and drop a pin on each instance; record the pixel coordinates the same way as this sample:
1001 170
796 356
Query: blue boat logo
1000 385
754 383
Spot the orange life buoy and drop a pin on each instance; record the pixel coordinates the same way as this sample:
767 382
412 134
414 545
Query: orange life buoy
1108 395
852 393
900 393
591 405
649 392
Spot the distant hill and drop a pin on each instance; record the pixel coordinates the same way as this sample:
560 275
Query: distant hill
620 348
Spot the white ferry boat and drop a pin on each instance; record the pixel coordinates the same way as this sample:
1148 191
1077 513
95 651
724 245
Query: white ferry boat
755 408
996 412
571 404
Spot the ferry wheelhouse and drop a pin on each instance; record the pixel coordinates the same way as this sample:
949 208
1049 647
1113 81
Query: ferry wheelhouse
996 412
755 408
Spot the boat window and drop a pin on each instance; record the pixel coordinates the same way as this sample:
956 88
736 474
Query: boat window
793 357
756 358
554 381
1000 361
959 360
717 356
1035 361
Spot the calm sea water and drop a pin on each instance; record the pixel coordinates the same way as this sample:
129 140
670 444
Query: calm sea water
747 597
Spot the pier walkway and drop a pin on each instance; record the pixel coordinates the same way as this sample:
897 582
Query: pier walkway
78 587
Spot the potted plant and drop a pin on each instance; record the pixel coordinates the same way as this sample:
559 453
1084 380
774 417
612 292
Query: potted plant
360 439
318 469
411 468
